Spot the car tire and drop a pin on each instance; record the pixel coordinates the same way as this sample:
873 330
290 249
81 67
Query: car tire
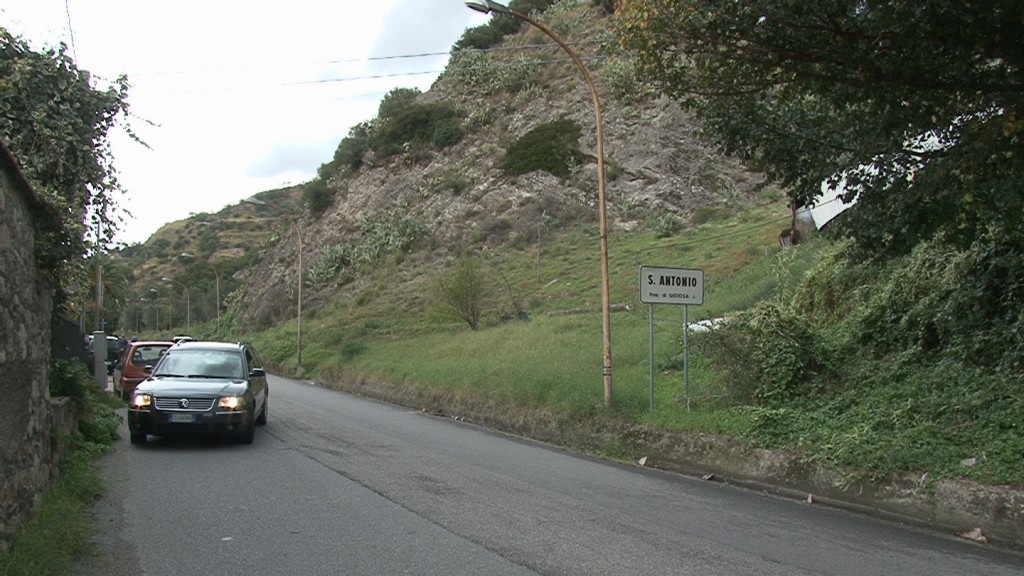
261 420
248 433
137 438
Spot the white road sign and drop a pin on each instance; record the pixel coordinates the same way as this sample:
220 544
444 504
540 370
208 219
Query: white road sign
671 286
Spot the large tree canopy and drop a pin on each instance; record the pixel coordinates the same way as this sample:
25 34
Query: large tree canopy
915 107
56 124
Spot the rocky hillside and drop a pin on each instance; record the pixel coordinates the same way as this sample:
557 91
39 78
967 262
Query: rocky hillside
658 166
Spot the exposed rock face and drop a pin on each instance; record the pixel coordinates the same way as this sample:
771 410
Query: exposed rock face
656 164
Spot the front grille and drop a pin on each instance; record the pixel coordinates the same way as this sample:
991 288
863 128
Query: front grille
173 403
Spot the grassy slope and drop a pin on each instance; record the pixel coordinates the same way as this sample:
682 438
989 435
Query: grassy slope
386 326
386 330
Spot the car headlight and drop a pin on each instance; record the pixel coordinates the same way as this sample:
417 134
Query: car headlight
232 402
140 401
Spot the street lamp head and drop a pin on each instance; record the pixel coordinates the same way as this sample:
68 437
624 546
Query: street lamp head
488 6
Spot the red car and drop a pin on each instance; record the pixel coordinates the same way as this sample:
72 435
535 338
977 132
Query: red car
135 363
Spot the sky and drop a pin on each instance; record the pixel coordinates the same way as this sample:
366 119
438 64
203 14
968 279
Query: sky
235 98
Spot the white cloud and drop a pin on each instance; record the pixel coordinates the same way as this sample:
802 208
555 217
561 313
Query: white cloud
244 97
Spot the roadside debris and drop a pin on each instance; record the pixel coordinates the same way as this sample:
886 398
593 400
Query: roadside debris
976 535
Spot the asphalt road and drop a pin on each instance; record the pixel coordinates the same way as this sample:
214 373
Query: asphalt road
336 484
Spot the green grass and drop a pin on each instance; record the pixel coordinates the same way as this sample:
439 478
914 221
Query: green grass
387 327
57 532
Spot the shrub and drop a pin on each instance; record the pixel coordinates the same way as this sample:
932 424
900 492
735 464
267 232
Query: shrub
727 350
566 18
480 37
623 82
208 241
463 291
318 195
447 133
710 213
350 152
387 232
68 379
666 224
331 263
452 181
552 147
479 70
491 34
97 420
353 348
395 101
792 359
531 6
415 126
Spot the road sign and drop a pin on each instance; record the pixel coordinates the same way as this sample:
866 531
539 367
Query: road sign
671 286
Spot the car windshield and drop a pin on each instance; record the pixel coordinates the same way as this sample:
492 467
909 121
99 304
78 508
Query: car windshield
201 364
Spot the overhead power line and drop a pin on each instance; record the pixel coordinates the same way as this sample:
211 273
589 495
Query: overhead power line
368 59
400 74
71 31
365 77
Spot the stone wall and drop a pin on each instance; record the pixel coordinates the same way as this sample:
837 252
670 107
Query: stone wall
28 455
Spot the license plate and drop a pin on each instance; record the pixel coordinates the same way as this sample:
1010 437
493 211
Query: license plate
182 418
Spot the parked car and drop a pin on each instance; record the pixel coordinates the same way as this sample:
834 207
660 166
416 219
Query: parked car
201 388
113 349
135 363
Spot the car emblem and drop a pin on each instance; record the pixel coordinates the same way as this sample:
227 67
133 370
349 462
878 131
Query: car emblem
183 402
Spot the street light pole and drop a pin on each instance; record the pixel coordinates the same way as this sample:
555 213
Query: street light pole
138 316
188 303
99 276
488 6
157 307
216 276
298 235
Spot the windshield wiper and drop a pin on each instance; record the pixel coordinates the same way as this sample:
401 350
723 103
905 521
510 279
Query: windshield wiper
167 375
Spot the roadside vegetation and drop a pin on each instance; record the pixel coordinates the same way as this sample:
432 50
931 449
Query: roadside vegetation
872 369
58 531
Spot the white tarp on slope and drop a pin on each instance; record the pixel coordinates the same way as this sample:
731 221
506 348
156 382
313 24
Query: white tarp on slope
828 206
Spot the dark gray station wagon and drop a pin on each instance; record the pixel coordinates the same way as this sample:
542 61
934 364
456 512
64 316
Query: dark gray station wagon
201 388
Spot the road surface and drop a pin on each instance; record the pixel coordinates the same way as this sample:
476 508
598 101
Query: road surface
335 484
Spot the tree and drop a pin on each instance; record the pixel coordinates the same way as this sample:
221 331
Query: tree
56 124
116 289
464 291
350 151
915 108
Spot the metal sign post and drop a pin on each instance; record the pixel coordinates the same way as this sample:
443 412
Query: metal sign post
650 316
686 355
672 286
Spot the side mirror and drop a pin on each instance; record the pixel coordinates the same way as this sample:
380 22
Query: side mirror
258 373
147 368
